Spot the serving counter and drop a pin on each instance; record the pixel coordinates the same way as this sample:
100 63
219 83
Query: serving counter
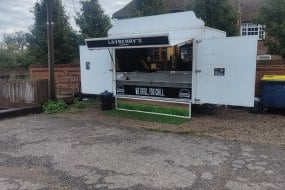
172 79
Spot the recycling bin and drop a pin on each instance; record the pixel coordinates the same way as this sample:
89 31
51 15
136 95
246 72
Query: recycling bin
273 91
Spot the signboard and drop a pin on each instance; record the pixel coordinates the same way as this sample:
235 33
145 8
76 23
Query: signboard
127 42
165 92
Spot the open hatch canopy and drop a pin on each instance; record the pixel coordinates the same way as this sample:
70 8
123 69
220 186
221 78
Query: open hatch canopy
128 42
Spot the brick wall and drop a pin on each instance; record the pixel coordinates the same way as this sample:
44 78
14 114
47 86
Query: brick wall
273 67
261 48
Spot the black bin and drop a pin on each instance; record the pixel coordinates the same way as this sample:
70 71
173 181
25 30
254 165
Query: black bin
257 106
106 100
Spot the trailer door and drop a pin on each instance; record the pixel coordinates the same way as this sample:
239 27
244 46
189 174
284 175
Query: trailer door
224 72
96 71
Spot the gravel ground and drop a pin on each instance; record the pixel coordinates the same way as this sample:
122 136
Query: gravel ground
221 123
90 151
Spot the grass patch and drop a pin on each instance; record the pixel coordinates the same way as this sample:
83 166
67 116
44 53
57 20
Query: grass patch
79 106
85 104
147 117
154 109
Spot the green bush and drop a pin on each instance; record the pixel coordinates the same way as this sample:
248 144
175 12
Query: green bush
54 106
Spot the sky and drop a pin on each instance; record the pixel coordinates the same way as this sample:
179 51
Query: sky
15 15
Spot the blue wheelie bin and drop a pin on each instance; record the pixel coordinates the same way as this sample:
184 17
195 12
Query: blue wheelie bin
273 91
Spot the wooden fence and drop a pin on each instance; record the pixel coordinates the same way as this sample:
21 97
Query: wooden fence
23 91
67 77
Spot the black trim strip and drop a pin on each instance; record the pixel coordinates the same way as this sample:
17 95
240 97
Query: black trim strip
128 42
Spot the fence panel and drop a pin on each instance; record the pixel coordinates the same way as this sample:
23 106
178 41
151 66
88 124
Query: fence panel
23 91
67 77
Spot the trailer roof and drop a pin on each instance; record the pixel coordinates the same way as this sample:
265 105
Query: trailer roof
133 33
155 24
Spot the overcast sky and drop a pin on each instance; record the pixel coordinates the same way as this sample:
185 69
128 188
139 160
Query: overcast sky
15 15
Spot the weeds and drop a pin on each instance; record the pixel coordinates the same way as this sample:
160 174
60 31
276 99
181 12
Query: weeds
58 106
54 106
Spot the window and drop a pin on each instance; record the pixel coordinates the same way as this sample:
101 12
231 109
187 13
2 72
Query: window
250 29
186 54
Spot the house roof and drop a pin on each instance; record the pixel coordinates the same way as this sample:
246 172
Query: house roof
171 5
248 8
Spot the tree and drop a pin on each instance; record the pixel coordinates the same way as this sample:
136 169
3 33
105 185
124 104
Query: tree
92 21
217 14
65 38
272 15
12 58
16 40
13 53
150 7
6 57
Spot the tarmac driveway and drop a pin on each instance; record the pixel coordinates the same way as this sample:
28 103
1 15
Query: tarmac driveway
45 152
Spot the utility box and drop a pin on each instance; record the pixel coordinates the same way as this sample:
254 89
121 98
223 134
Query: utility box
273 91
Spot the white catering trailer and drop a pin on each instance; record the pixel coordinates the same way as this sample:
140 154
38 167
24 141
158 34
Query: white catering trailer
171 58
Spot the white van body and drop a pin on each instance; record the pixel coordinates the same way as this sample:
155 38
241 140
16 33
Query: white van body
223 67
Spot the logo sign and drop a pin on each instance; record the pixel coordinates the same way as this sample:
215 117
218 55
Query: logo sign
127 42
164 92
159 92
120 89
185 93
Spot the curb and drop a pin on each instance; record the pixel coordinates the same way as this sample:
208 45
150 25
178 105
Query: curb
16 112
